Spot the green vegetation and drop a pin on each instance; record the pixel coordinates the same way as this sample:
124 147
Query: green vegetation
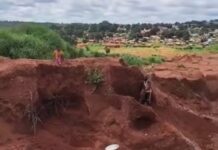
181 34
155 59
89 53
95 77
192 48
98 31
95 50
96 47
133 60
107 50
38 42
32 41
139 61
213 48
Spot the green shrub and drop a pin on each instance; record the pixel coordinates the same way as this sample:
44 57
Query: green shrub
85 53
107 50
95 77
133 60
139 61
87 48
154 60
32 41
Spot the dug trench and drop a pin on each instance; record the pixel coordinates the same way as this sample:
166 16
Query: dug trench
48 107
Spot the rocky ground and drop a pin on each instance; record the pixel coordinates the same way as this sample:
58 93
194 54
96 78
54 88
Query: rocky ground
68 113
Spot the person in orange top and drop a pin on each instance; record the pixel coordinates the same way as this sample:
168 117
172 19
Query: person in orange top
58 56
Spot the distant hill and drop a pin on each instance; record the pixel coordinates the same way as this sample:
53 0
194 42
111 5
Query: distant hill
15 23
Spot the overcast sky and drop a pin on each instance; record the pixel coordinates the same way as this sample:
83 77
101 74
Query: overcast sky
119 11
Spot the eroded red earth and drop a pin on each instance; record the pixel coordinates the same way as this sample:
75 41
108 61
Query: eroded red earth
74 116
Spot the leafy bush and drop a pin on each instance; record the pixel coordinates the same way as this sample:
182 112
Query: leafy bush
107 50
32 41
95 77
139 61
154 60
133 60
85 53
87 48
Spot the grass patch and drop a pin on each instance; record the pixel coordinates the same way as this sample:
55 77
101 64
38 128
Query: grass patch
213 48
193 48
85 53
133 60
95 47
91 53
154 60
139 61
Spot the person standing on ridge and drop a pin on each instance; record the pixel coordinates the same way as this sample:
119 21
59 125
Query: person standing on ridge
58 56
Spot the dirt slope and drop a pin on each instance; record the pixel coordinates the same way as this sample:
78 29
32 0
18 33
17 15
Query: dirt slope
183 115
186 96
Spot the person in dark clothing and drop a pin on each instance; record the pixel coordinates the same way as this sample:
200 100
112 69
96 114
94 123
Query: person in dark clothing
146 92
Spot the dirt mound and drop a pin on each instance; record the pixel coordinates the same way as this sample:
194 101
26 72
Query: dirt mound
186 96
66 112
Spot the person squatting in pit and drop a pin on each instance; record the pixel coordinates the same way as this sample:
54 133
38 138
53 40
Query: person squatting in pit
146 92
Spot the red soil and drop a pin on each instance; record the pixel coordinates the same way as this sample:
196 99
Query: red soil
183 115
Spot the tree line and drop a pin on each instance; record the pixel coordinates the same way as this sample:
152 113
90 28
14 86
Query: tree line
134 31
97 31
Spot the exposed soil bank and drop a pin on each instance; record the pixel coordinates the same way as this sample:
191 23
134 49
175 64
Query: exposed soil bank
69 115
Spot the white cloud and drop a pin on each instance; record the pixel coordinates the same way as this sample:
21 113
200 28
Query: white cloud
120 11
